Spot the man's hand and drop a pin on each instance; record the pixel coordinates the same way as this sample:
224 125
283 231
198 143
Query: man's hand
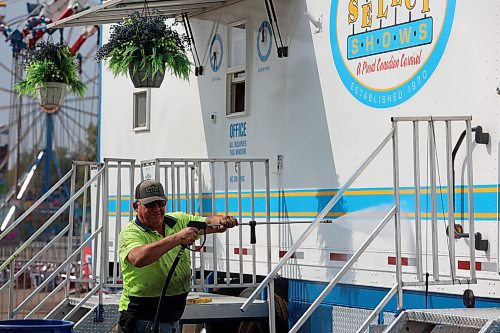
220 223
225 222
187 236
228 222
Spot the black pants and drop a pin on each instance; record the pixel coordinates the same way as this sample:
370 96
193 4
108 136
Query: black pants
143 326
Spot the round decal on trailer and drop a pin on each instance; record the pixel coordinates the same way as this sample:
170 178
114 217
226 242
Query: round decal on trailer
216 53
264 41
386 50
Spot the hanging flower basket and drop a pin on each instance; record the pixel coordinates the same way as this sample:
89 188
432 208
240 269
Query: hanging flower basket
51 94
141 80
144 47
50 69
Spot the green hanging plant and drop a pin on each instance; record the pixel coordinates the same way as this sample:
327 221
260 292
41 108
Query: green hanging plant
145 43
49 62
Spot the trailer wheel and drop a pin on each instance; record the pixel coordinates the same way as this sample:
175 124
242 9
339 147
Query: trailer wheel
281 315
253 327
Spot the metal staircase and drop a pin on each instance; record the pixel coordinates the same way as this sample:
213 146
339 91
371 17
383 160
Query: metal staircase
49 291
394 214
84 284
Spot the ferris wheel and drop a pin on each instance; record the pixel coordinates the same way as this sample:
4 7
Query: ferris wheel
36 145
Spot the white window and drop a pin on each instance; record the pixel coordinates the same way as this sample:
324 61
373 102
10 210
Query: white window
142 104
236 71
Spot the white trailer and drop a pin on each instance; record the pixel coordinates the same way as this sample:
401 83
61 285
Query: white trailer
314 89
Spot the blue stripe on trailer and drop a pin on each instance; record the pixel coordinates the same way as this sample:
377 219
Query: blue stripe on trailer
306 203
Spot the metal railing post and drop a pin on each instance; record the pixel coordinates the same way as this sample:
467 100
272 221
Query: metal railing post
172 181
178 174
418 211
240 216
434 229
270 300
186 185
226 204
118 220
70 223
82 230
268 215
200 211
131 192
193 191
105 211
157 169
397 216
11 288
103 278
214 212
470 196
165 185
252 217
451 194
96 227
193 210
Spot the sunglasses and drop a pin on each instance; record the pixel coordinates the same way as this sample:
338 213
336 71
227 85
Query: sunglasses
154 204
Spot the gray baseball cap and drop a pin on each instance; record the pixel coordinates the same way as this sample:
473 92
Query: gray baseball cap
149 190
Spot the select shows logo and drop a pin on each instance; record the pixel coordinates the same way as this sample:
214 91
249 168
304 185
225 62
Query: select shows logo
386 50
398 37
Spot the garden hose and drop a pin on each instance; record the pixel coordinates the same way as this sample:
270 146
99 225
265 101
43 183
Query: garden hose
193 224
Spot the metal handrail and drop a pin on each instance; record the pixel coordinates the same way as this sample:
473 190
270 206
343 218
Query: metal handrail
316 221
56 271
82 302
397 288
35 205
343 271
56 308
101 175
49 296
37 255
379 308
52 218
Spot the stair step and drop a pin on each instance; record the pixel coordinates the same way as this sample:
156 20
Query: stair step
88 324
473 318
447 321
